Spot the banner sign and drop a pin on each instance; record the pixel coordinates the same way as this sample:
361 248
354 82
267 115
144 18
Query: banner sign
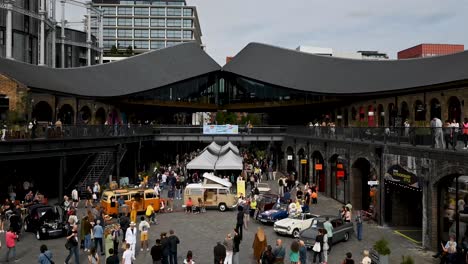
318 166
290 157
399 174
220 129
303 161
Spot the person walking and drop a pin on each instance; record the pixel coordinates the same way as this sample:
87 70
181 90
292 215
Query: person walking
303 252
46 256
235 249
465 132
279 252
115 238
281 186
150 214
294 253
130 237
358 221
144 228
219 253
112 258
93 257
173 242
127 257
189 258
156 252
349 258
229 245
259 244
267 256
329 228
72 245
325 246
317 249
10 238
124 224
98 232
108 242
165 248
240 220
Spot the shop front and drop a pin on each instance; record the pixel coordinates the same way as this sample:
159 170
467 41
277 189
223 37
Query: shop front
318 171
338 178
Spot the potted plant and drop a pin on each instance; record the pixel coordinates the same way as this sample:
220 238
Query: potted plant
381 247
407 260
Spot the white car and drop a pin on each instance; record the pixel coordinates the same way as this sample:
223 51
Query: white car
263 187
294 224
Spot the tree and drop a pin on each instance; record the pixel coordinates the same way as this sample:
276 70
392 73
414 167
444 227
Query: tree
129 50
114 50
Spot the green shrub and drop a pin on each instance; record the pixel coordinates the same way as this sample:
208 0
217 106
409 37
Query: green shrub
407 260
381 246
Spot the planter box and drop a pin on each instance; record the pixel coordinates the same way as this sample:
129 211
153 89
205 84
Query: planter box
377 258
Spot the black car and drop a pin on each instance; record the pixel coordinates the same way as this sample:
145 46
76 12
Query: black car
45 221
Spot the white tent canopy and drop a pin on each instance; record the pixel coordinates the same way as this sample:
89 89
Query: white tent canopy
229 146
214 148
205 161
229 161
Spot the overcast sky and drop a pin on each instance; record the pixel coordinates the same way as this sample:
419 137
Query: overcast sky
386 26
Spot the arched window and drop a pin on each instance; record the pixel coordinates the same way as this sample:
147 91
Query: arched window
435 109
419 111
381 115
66 114
42 111
392 114
370 116
353 114
404 114
454 109
362 114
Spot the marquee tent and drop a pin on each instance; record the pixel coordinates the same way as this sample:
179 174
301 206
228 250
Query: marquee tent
229 161
216 157
204 161
229 146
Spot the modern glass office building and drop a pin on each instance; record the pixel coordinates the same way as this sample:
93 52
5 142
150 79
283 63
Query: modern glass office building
134 27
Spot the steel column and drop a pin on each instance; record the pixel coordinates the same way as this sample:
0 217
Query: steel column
42 40
88 34
62 36
9 31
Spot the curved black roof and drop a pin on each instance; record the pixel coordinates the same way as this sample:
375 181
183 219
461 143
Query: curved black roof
332 75
133 75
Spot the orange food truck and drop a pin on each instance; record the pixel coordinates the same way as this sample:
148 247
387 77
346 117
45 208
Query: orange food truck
143 198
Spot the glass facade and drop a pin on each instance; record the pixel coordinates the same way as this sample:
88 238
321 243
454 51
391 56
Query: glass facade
158 33
141 33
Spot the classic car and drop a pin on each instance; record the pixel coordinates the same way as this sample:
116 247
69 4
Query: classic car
294 224
265 202
278 212
45 221
263 187
341 230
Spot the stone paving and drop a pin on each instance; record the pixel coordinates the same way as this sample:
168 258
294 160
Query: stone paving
200 233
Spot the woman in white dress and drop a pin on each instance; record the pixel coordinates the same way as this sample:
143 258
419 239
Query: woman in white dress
325 247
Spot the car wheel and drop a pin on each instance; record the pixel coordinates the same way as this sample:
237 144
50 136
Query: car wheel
38 235
346 237
295 233
222 207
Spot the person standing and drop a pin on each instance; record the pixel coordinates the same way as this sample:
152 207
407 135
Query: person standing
366 259
219 252
358 221
465 132
229 245
235 249
130 238
189 258
98 232
240 220
281 186
303 252
133 212
317 249
294 253
124 224
279 252
93 257
75 198
329 228
325 246
173 242
112 258
115 238
46 256
156 252
108 242
165 248
267 256
10 238
127 257
144 228
72 242
349 258
259 244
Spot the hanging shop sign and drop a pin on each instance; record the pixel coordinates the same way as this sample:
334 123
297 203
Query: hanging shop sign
318 167
340 174
399 174
220 129
371 183
303 161
340 166
289 157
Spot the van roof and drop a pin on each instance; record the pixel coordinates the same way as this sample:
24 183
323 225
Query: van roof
204 186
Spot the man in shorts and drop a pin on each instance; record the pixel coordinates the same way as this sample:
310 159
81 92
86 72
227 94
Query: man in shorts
144 227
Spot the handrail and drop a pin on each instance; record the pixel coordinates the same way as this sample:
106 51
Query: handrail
79 170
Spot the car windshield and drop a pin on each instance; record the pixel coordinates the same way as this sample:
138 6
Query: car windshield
295 216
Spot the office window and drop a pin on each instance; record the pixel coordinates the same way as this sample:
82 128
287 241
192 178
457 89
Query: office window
188 23
141 33
109 21
175 3
141 22
174 34
141 11
158 44
159 3
2 37
172 43
141 44
158 22
108 10
188 34
125 11
174 12
109 32
108 44
124 33
94 31
123 44
174 23
123 2
143 2
188 12
158 11
158 33
125 22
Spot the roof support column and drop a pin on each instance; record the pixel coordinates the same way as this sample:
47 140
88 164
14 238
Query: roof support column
53 3
42 40
62 36
9 30
88 33
101 36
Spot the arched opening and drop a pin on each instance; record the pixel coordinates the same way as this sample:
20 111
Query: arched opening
360 194
353 114
381 115
454 109
362 114
338 176
66 114
392 114
114 117
339 118
85 115
404 113
42 111
100 116
370 116
452 198
318 170
403 194
4 106
345 117
302 173
419 112
435 109
290 167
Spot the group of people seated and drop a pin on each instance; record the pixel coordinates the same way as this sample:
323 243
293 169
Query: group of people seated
196 209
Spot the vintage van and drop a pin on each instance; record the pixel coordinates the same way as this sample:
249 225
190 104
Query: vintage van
143 197
214 193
